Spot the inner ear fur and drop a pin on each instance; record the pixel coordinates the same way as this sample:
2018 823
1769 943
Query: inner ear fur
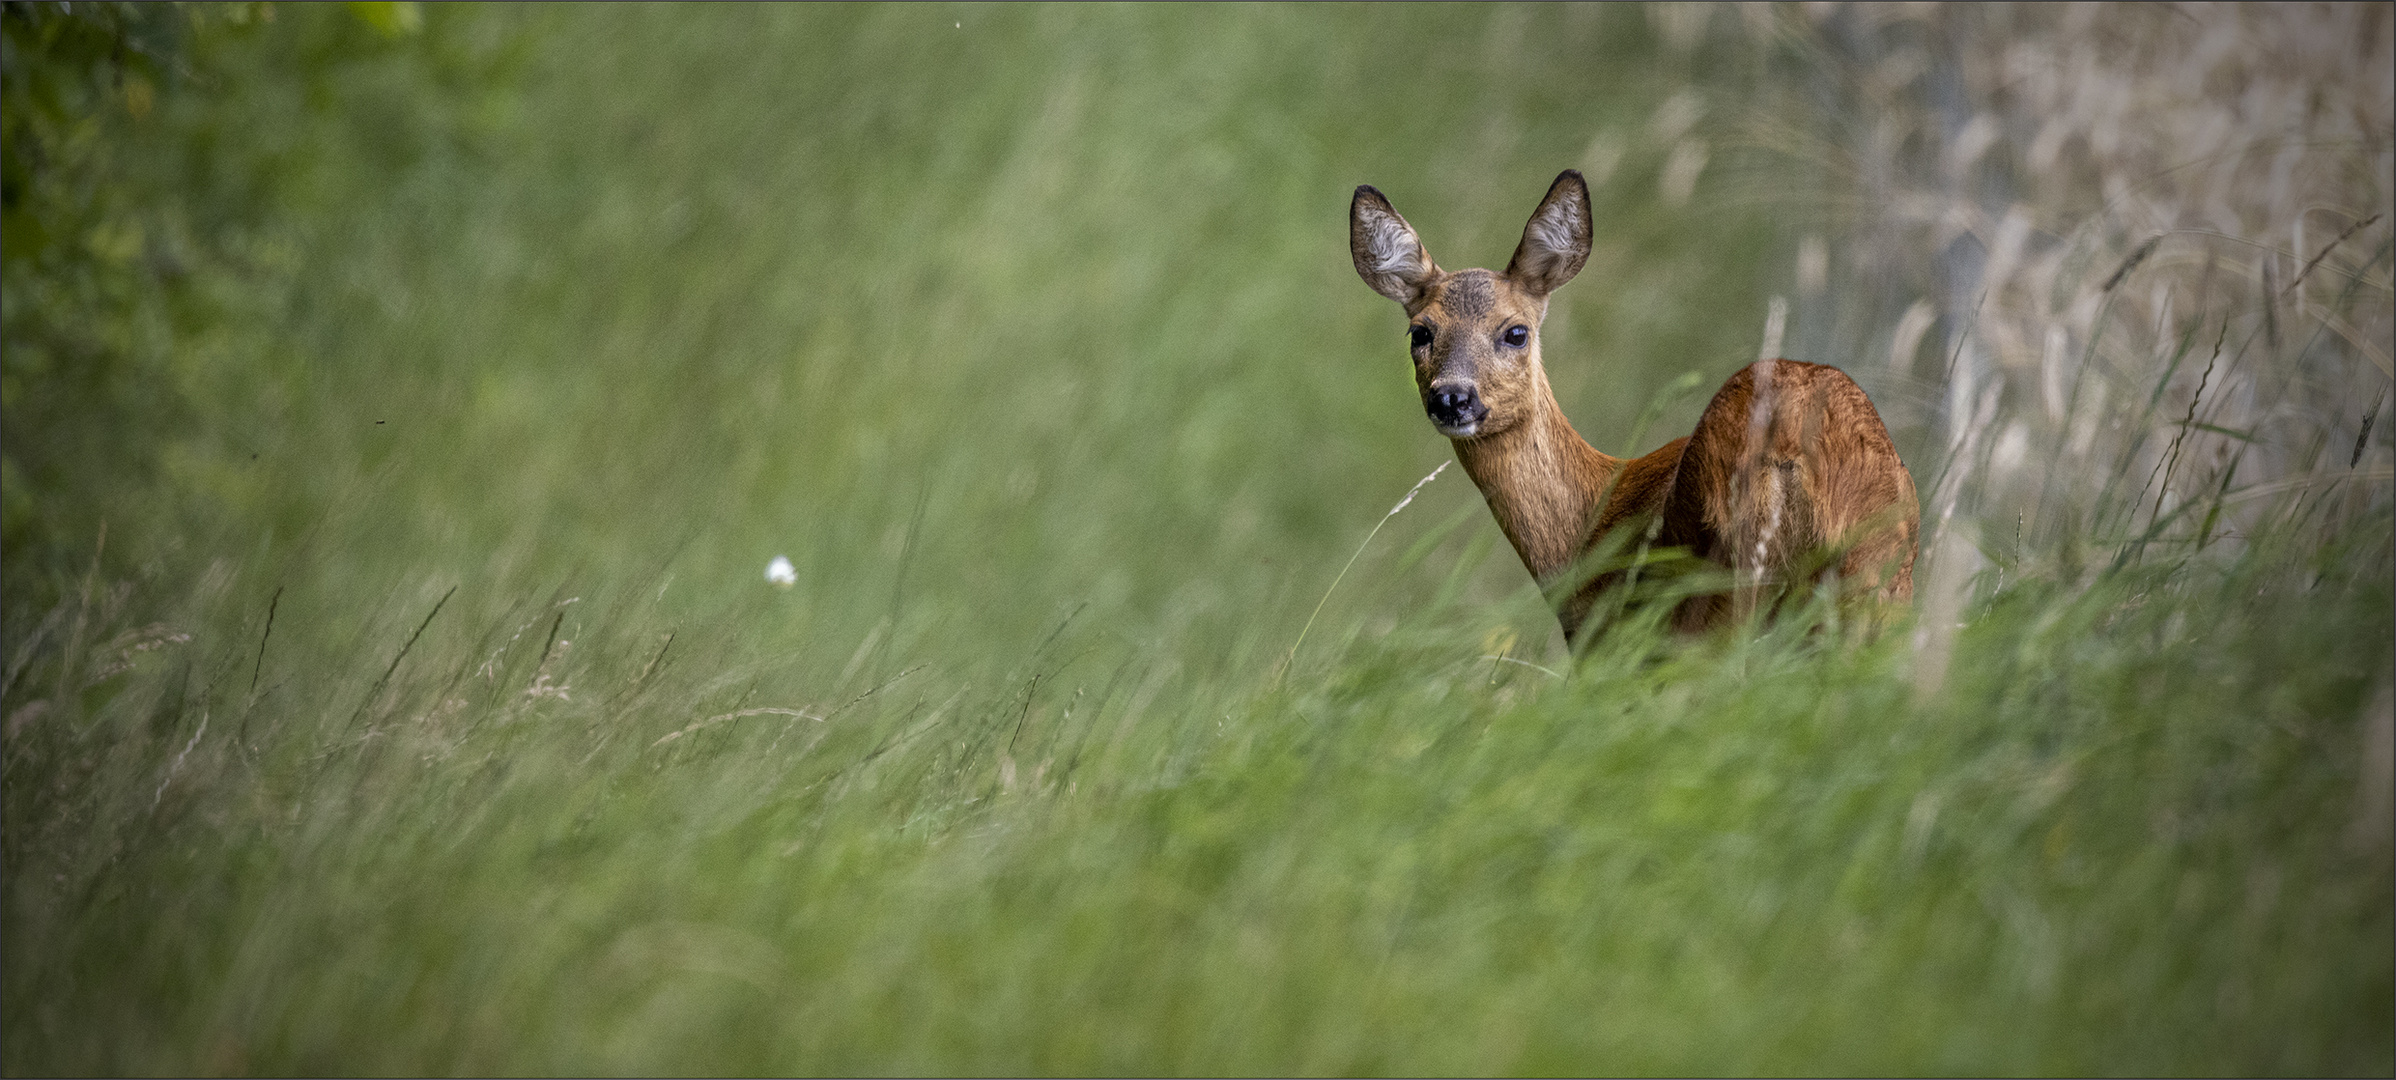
1555 244
1388 255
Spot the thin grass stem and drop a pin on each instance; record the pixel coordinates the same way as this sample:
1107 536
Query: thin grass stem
1343 571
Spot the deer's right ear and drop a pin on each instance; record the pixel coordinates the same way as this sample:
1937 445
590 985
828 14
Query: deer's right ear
1389 257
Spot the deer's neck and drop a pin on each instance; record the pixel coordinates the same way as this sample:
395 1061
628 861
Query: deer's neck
1542 481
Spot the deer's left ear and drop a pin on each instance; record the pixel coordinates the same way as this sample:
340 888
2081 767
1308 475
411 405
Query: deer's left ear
1556 242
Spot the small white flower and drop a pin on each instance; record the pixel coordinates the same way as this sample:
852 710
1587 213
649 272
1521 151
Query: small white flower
781 573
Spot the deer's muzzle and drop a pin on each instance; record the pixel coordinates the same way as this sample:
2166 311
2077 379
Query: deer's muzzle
1456 411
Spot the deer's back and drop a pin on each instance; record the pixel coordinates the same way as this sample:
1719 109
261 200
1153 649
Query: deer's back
1788 462
1789 474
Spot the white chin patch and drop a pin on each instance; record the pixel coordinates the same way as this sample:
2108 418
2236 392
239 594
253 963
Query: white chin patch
1465 432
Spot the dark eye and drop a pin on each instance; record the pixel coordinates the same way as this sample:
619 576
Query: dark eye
1422 337
1515 336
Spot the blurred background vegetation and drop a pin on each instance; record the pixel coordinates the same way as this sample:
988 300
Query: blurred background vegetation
717 332
402 405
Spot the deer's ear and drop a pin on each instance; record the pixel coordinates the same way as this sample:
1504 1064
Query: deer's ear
1556 242
1389 257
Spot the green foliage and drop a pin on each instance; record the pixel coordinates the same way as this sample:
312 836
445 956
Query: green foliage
166 169
80 359
425 711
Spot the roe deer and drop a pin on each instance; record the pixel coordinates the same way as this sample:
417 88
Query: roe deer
1789 476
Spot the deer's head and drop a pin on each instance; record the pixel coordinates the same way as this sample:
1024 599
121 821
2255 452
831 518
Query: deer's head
1475 334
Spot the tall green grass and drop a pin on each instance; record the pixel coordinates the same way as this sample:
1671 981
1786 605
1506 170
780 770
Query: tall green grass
420 705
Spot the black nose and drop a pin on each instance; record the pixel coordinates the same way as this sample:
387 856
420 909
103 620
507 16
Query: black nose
1455 406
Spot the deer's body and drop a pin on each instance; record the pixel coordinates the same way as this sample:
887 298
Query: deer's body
1789 474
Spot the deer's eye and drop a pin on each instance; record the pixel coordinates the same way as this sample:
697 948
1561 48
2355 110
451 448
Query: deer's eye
1515 336
1422 336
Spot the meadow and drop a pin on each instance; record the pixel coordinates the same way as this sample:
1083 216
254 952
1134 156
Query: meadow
403 406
